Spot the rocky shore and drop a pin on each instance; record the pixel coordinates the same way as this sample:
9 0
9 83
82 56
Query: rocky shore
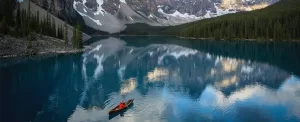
41 45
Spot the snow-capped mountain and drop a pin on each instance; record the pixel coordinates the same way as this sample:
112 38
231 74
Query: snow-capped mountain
113 15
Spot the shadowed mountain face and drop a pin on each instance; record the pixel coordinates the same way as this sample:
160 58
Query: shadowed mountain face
169 82
112 15
58 21
60 8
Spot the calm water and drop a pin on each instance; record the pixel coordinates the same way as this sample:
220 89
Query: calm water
170 79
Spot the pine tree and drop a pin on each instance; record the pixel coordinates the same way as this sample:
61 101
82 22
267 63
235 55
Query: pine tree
6 10
74 37
18 17
17 31
66 34
23 23
48 25
3 26
62 32
29 40
44 26
53 28
28 19
33 23
41 32
37 21
79 39
28 11
58 32
30 49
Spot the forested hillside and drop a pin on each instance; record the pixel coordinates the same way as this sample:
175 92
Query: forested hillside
26 30
280 21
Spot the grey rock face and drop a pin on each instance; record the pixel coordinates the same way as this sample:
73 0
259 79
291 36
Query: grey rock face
194 7
60 8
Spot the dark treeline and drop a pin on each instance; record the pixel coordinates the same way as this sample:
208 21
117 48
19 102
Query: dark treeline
27 22
6 15
20 23
280 21
23 22
144 29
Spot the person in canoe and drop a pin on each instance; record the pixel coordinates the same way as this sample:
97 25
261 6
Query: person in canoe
122 104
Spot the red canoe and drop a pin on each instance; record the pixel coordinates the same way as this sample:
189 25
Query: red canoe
116 109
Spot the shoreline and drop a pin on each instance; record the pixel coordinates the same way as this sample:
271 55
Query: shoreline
43 54
11 47
194 38
262 40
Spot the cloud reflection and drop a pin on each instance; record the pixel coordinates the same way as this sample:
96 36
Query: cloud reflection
256 96
128 86
228 82
229 65
165 75
166 105
87 115
158 74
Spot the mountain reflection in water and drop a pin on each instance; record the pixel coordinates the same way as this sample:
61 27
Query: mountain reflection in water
169 82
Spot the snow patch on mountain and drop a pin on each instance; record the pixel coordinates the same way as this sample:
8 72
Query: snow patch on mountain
84 15
99 9
100 20
208 14
123 1
178 14
222 12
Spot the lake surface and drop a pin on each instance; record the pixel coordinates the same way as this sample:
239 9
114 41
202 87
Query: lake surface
170 80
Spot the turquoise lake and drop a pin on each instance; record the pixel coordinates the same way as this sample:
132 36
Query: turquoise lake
170 80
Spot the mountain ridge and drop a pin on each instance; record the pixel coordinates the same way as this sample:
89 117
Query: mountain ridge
112 15
156 12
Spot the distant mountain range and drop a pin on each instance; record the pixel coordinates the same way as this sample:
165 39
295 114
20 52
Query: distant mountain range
277 22
112 15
